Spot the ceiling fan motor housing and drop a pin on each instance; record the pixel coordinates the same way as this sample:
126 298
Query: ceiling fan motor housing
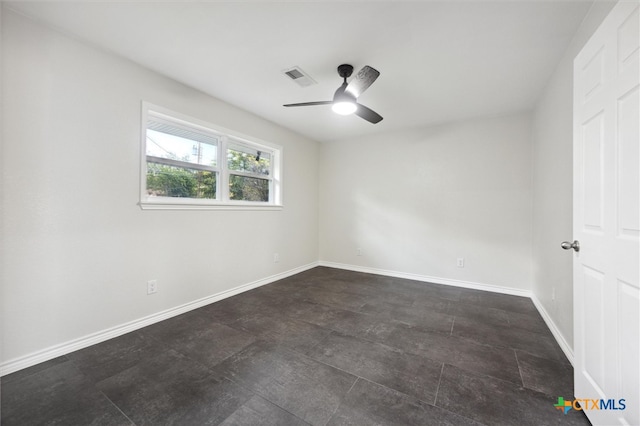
341 95
345 70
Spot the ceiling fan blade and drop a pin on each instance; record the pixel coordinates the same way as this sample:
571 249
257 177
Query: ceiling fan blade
368 114
361 82
309 103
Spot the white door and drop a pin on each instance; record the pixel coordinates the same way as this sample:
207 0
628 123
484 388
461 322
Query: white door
607 219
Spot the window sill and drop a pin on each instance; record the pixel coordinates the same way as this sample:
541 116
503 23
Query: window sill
182 205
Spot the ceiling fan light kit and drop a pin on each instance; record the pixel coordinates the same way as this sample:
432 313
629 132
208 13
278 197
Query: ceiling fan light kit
344 108
345 98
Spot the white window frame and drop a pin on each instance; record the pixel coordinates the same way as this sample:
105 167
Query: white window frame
227 138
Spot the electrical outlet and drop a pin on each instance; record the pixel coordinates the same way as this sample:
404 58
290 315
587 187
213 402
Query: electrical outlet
359 251
460 262
276 258
152 286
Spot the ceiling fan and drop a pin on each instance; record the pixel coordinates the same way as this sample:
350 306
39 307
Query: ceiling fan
345 98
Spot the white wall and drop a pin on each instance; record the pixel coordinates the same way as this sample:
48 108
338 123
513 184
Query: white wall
553 183
417 200
77 248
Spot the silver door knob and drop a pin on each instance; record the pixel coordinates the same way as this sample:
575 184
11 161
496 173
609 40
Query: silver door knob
568 246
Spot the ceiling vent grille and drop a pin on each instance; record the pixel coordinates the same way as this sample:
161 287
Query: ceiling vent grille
300 77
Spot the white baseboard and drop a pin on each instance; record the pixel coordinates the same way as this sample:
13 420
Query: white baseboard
430 279
564 345
52 352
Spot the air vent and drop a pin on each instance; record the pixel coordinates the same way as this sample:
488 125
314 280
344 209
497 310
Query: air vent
299 77
294 74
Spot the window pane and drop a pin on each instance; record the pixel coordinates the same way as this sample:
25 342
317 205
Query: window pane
248 188
249 160
170 181
165 141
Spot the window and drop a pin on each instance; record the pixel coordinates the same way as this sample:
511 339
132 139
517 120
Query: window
190 164
249 171
181 162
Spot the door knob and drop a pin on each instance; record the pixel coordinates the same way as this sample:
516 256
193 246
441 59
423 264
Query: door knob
574 245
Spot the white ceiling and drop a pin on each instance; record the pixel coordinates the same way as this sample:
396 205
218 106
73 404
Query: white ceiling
439 61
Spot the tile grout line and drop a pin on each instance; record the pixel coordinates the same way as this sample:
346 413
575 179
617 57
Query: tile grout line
379 384
260 395
94 384
369 380
352 386
519 369
117 408
421 400
265 397
330 332
435 399
342 400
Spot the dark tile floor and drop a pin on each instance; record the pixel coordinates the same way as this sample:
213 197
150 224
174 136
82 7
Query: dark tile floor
324 347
